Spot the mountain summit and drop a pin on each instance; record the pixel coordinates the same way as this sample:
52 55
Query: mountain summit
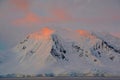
64 52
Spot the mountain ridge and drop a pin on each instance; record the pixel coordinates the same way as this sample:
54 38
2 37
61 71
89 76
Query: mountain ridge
64 52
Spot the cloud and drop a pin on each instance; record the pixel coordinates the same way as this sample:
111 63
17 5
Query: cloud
98 20
29 18
115 17
0 15
23 5
32 18
117 34
60 14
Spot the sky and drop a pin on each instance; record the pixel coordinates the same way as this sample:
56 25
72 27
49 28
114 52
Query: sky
21 17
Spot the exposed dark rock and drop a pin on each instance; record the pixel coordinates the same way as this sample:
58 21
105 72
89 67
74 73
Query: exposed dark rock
95 60
77 47
112 58
86 55
32 52
24 47
58 50
54 53
111 47
99 53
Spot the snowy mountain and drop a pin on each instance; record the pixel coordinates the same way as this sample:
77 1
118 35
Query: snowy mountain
64 52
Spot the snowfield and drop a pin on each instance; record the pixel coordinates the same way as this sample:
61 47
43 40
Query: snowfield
63 52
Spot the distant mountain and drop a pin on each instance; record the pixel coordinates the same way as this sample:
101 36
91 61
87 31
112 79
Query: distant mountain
64 52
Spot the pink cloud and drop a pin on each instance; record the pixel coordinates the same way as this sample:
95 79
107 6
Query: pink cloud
20 4
98 20
0 15
117 34
60 14
115 17
29 18
32 18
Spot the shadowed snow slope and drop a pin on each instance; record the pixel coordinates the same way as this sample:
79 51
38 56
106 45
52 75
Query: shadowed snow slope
62 52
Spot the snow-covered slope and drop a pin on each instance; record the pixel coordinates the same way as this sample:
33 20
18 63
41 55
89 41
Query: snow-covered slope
64 52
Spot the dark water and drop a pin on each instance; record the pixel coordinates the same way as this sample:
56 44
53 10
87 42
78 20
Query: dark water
64 78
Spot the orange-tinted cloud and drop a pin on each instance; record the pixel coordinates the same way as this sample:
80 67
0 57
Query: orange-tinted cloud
117 34
116 17
85 33
29 18
63 15
0 15
21 4
60 14
32 18
97 20
43 33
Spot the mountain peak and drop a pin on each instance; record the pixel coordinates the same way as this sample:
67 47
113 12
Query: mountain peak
86 34
83 32
42 33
